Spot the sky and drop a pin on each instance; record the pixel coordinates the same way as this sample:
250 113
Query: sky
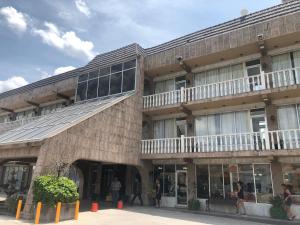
39 39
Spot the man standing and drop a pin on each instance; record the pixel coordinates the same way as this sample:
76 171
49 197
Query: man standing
115 191
137 190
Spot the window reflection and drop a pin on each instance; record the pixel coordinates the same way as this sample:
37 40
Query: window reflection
103 89
116 79
81 91
115 83
92 88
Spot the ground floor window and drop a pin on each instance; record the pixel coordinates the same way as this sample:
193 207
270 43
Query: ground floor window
166 174
16 177
220 181
291 177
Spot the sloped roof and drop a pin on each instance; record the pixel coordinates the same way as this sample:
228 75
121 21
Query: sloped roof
55 123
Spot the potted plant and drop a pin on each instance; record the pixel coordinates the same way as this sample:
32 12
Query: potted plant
52 189
277 211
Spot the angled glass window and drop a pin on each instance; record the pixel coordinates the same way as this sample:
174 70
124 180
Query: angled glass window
116 68
128 80
129 64
92 89
115 83
83 77
81 91
93 74
104 71
103 89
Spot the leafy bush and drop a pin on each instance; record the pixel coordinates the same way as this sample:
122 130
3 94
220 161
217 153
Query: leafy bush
11 202
52 189
193 204
277 211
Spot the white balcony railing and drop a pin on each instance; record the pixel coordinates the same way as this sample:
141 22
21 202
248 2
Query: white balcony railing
253 141
230 87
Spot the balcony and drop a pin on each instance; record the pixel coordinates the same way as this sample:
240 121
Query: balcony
263 81
252 141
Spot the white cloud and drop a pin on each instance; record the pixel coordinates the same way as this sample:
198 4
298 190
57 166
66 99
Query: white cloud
14 19
82 7
67 42
12 83
63 69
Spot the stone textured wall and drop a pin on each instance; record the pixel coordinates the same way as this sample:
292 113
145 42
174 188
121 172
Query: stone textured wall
234 39
112 136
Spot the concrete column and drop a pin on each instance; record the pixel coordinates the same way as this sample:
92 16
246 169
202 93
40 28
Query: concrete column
271 115
192 187
277 177
190 125
145 171
28 208
189 80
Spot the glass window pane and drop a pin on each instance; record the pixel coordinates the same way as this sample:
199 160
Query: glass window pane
81 91
202 181
246 177
216 182
291 176
104 71
128 80
263 183
169 180
92 89
116 68
181 167
115 83
93 74
82 77
129 64
227 182
103 89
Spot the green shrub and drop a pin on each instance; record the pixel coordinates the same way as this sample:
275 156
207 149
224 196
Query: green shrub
52 189
277 211
193 204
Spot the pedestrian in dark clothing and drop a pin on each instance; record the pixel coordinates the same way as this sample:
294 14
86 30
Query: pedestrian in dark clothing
137 191
240 198
157 193
287 198
115 191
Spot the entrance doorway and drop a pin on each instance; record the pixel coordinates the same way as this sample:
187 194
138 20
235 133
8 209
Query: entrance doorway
181 188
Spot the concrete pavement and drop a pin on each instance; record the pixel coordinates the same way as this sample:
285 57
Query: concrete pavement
139 216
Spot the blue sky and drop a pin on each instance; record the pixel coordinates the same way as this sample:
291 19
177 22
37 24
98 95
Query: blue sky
42 38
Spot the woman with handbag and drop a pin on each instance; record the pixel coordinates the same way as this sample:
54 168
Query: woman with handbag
287 198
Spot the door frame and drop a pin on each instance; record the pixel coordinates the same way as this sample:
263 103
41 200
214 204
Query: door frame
187 192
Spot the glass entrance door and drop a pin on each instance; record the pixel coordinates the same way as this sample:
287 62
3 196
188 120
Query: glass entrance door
181 187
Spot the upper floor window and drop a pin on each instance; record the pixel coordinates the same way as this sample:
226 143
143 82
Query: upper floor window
286 61
219 74
290 122
111 80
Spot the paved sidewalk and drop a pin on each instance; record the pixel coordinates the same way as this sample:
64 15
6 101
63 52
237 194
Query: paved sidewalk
140 216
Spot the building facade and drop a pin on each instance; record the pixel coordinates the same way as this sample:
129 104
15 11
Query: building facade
198 113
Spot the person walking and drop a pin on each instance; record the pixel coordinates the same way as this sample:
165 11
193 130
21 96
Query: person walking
240 198
137 191
115 191
157 193
287 198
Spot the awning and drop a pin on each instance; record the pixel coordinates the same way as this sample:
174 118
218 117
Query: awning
57 122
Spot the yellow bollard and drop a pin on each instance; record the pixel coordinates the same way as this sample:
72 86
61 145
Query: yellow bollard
57 215
77 210
38 213
18 213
